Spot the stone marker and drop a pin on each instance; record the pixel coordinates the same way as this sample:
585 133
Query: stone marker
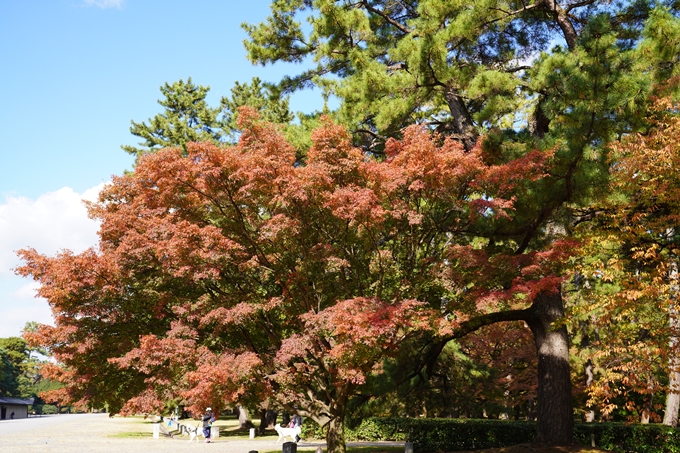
289 447
408 447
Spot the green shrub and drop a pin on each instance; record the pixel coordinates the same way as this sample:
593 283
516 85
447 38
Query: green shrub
48 409
311 430
622 438
433 435
436 434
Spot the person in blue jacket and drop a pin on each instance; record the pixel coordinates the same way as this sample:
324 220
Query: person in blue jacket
208 419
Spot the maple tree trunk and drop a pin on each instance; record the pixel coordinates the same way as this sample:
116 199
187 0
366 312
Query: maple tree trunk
243 418
335 438
263 422
267 420
590 378
647 409
555 420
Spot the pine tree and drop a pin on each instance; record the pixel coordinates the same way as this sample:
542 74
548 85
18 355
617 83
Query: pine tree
263 97
559 77
187 118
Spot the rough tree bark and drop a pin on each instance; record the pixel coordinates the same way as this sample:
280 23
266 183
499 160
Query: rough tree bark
335 440
555 424
463 125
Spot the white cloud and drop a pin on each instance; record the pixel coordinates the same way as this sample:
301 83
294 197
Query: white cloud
28 291
54 221
14 318
104 4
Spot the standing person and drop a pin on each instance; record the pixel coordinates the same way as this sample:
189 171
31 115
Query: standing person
208 420
297 423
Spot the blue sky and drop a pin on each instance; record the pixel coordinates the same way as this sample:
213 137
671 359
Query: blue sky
73 74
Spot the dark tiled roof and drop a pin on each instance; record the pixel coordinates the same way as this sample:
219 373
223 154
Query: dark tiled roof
17 401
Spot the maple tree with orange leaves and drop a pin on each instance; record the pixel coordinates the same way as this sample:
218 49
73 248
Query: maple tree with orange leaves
265 276
233 275
630 275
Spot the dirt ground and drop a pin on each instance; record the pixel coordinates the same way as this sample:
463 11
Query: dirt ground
97 433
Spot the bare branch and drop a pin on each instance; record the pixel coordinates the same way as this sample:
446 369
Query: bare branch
568 8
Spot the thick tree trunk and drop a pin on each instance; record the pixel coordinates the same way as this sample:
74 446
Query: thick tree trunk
243 418
539 125
555 424
335 438
554 411
670 417
263 422
267 420
463 126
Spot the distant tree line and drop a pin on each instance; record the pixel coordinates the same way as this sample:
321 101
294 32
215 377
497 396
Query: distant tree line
20 370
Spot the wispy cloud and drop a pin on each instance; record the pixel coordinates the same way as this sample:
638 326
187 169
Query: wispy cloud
104 4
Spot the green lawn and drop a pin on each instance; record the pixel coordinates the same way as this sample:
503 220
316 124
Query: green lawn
229 429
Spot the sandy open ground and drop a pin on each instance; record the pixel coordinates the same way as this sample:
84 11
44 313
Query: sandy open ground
100 434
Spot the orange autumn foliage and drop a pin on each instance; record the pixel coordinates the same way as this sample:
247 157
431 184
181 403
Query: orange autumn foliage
631 271
232 275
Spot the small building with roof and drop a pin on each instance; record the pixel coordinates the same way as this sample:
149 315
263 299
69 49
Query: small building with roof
12 408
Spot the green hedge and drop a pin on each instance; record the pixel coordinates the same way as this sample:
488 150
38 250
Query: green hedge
437 435
623 438
432 434
49 409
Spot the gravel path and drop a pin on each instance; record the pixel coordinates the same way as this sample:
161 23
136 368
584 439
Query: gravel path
97 433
